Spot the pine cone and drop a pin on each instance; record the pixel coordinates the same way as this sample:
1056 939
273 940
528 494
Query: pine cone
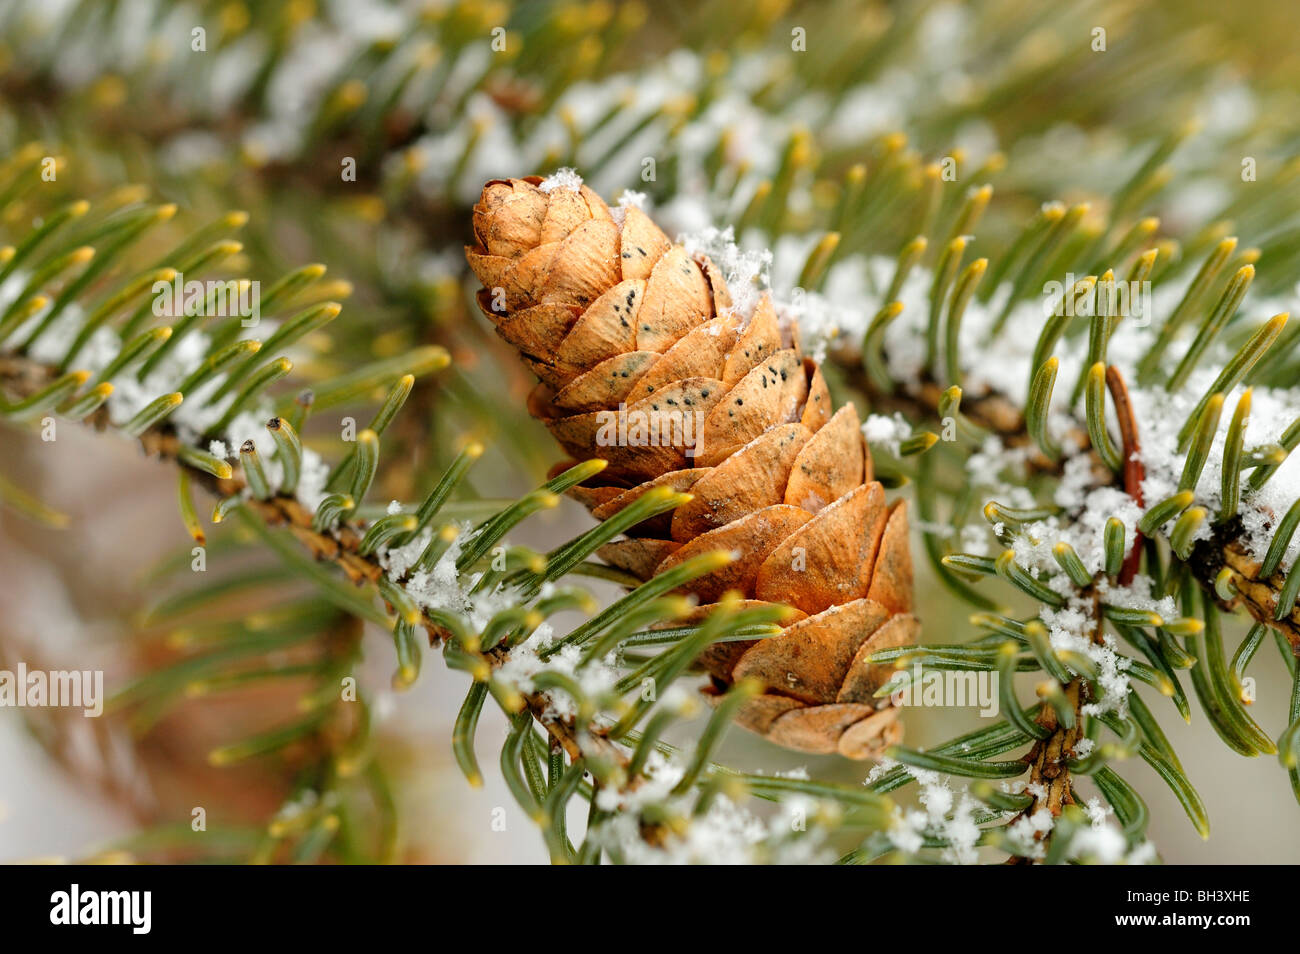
628 331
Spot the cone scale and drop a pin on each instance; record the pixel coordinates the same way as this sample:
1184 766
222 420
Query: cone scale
643 361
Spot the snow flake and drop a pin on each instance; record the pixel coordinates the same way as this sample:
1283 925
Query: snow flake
564 178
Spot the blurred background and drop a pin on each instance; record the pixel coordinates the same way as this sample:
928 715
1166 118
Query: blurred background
358 134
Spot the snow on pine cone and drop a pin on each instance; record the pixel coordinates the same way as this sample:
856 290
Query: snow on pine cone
634 338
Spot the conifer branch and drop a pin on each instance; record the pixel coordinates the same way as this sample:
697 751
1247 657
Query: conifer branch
1000 415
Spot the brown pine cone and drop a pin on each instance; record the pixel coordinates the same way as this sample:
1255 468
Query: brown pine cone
634 340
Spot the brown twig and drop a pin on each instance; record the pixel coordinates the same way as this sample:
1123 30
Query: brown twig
1049 770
